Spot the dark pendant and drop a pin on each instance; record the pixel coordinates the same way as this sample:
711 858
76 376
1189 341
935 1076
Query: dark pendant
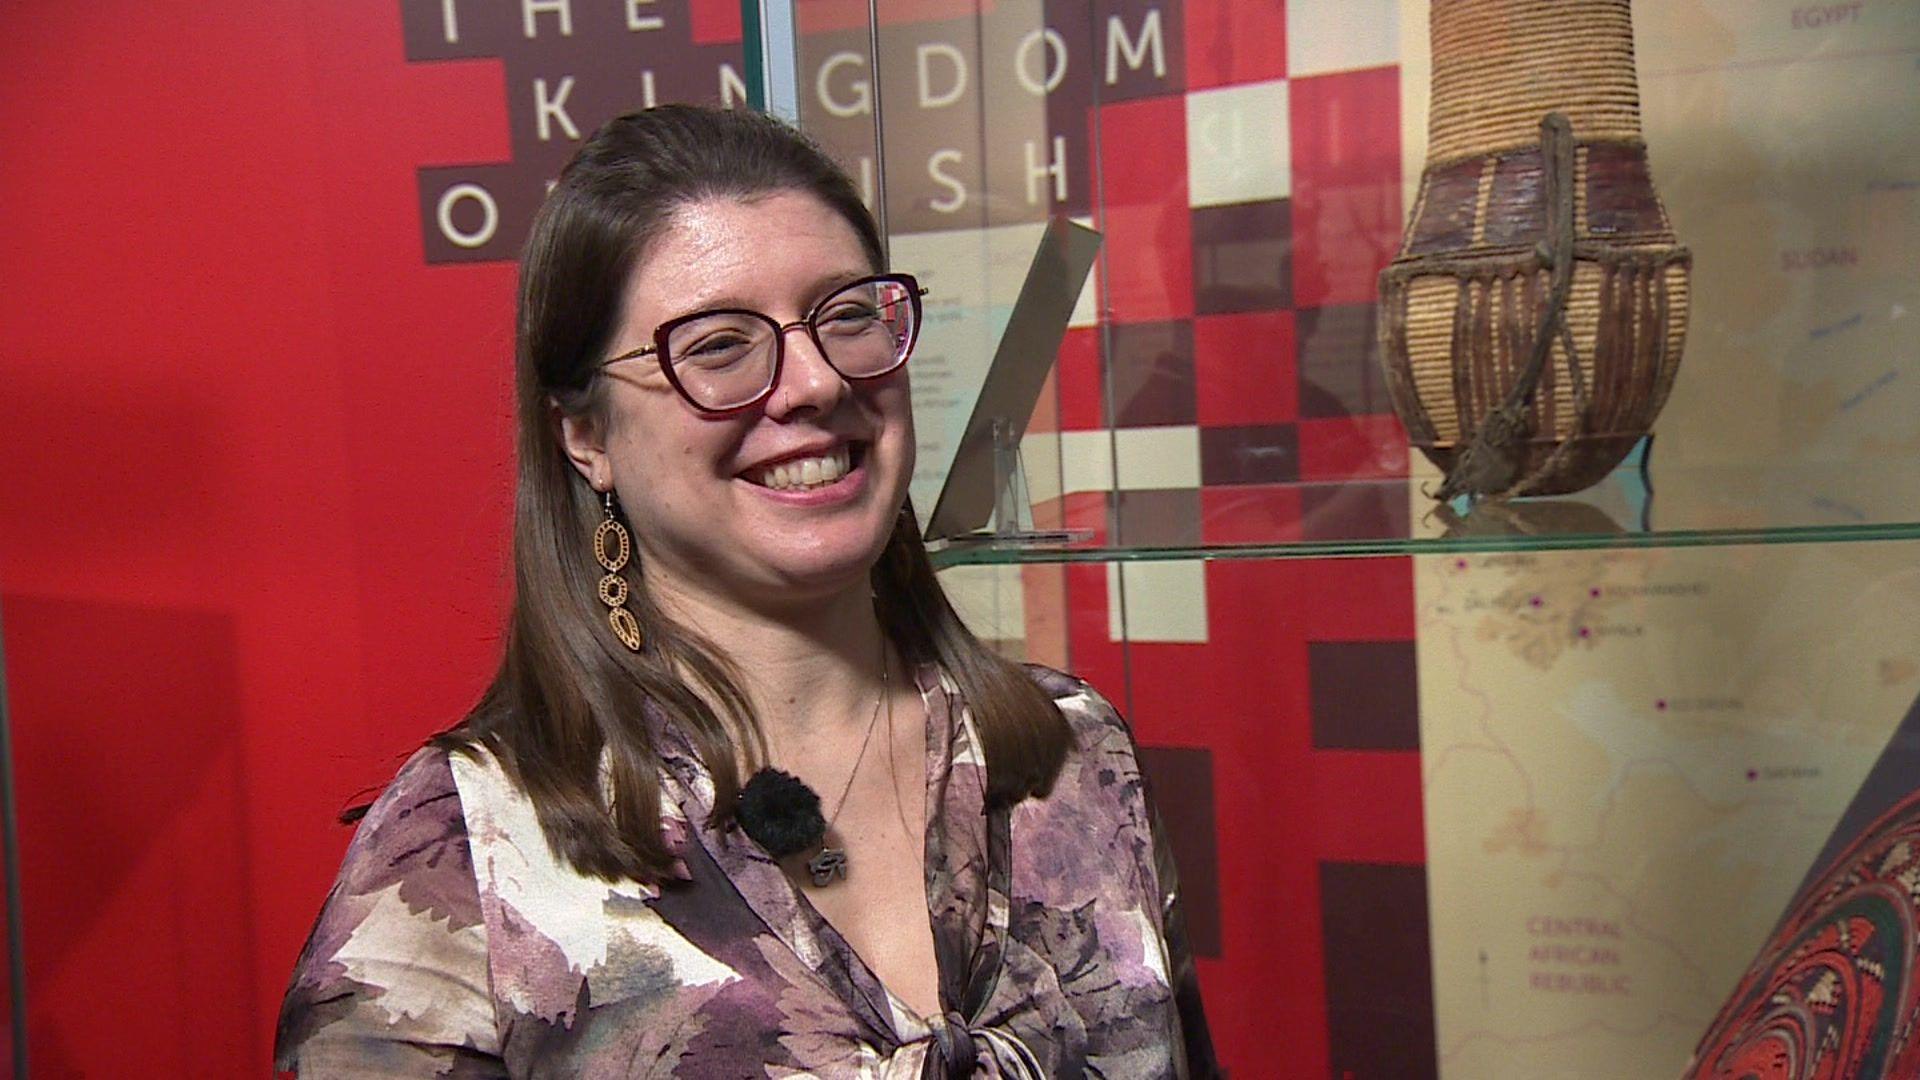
829 864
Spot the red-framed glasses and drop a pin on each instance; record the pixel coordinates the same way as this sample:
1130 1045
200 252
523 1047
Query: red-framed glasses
727 359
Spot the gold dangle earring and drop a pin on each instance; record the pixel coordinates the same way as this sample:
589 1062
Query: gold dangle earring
613 587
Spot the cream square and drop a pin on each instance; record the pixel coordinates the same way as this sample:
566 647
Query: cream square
1159 457
1040 463
1164 601
990 599
1086 461
1238 144
1149 457
1341 35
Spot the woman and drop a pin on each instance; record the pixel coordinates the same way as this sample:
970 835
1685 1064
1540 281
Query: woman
942 864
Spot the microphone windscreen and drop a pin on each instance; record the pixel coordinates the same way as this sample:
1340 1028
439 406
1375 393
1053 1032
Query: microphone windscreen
781 813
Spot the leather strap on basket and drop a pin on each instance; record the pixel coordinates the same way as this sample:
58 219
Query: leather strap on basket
1490 464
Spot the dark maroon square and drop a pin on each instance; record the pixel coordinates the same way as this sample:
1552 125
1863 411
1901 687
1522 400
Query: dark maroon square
1181 779
1256 454
561 88
1339 367
1150 371
1243 257
1365 695
1160 517
1379 971
1142 44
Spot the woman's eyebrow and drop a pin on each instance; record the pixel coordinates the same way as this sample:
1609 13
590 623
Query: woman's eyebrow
821 287
824 286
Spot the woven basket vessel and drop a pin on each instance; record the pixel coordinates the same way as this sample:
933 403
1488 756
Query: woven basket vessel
1533 320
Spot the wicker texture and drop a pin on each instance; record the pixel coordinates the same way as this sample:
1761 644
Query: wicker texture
1536 312
1499 67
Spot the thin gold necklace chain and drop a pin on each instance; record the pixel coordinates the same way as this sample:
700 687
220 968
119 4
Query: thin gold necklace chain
873 722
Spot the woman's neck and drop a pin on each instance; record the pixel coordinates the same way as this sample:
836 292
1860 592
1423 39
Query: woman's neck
812 672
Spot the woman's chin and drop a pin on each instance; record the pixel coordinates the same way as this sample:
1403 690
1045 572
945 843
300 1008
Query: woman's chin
816 570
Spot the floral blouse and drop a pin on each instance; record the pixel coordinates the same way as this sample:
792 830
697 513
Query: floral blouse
454 943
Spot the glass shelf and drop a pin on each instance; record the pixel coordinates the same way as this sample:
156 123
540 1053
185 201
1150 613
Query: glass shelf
980 554
1649 738
1679 506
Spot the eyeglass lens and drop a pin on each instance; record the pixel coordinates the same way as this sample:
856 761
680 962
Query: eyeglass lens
727 359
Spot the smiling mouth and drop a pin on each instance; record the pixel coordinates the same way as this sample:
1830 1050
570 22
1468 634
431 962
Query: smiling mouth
808 473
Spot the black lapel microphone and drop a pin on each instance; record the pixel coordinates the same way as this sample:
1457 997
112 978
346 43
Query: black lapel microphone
781 813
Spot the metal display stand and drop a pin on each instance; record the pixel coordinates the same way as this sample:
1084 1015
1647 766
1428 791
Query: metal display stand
1013 500
986 481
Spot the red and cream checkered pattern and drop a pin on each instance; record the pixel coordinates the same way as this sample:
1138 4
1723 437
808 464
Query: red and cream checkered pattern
1249 196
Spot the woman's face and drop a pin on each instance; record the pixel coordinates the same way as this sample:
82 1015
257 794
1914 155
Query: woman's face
709 509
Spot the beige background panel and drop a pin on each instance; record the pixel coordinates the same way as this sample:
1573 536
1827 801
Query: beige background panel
1557 787
1653 745
991 600
1772 139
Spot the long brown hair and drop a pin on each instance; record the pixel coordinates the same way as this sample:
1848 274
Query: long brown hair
567 692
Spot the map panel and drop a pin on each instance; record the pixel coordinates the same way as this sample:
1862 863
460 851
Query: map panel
1631 758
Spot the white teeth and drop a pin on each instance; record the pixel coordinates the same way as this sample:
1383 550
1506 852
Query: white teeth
808 472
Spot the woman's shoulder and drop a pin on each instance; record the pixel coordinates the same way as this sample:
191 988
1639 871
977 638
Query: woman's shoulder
413 839
421 796
1095 721
415 844
438 788
402 921
1103 761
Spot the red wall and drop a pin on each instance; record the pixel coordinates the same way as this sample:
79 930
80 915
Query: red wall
254 478
253 484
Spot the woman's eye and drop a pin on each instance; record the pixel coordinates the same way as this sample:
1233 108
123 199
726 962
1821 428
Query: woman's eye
715 349
716 345
850 315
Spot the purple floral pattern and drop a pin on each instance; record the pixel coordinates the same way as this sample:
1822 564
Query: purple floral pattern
455 944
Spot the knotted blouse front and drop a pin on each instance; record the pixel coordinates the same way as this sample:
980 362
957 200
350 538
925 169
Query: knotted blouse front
454 943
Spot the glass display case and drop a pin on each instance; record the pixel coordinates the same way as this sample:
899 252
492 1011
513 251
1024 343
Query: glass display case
1520 791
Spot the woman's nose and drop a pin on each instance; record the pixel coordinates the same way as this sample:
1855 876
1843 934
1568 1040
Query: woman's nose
807 380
